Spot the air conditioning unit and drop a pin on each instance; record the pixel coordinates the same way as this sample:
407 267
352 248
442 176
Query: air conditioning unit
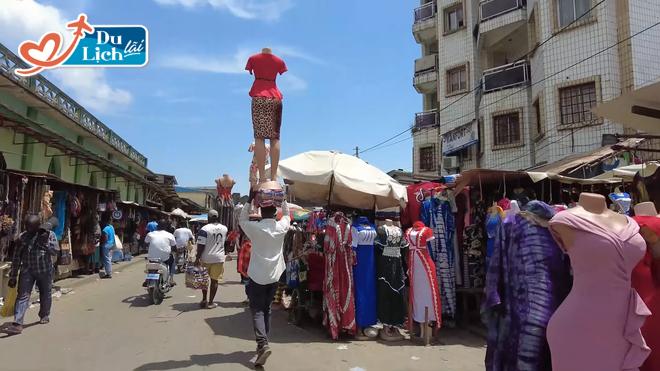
449 162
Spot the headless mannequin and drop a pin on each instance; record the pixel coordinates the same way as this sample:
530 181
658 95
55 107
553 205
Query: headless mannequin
651 238
391 332
260 150
645 209
593 207
389 222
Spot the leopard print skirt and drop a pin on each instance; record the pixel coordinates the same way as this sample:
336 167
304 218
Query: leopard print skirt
266 117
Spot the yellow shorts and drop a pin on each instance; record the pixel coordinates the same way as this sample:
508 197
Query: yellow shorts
216 270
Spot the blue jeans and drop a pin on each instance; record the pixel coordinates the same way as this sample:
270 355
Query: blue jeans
26 282
106 259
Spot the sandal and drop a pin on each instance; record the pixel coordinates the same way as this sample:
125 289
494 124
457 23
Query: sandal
44 321
211 306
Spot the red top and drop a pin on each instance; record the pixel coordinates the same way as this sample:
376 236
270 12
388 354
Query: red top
265 68
416 193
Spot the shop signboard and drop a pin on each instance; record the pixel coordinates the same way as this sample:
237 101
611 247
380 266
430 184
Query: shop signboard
460 138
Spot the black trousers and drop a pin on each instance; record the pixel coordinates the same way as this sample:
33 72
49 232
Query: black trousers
261 297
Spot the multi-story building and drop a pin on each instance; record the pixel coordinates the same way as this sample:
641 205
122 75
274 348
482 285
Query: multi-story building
510 84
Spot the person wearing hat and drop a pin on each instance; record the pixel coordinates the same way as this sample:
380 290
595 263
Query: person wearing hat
33 254
211 254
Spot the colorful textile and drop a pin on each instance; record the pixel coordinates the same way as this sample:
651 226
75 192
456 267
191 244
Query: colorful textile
441 220
527 279
59 199
646 280
424 291
197 278
416 195
244 258
338 288
363 236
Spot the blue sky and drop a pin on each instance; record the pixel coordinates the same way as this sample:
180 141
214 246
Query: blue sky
349 81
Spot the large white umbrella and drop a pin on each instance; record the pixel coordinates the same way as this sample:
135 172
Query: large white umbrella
638 109
334 178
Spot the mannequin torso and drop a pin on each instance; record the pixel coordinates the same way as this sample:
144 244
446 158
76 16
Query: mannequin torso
592 207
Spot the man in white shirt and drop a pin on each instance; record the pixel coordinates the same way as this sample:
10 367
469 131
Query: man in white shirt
211 254
266 268
184 238
160 243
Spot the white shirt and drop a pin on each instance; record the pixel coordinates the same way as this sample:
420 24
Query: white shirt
182 236
212 236
267 236
160 244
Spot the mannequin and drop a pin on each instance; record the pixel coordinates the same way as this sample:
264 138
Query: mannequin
646 279
390 280
363 235
603 247
646 209
591 206
266 109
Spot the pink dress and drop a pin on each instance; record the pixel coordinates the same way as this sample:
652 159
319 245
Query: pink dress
597 327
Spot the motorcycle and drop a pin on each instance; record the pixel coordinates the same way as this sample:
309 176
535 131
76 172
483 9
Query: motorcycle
158 280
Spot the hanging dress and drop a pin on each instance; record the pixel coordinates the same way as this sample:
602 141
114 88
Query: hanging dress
424 292
391 278
338 289
598 326
646 280
441 221
364 273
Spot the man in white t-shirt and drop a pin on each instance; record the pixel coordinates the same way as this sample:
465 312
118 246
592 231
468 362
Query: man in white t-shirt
265 269
211 254
184 238
160 243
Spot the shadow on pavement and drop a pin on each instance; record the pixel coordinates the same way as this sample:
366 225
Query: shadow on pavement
236 358
139 301
186 307
4 326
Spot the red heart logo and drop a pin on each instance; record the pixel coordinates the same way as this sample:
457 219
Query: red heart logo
43 53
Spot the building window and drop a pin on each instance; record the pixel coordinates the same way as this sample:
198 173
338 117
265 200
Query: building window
454 18
570 10
537 115
427 158
506 129
576 102
457 80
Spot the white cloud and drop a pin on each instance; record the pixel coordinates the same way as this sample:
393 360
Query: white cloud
268 10
291 82
27 19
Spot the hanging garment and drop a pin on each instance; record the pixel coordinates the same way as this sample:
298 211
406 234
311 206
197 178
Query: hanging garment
646 280
416 195
363 235
338 297
60 212
391 278
527 279
265 67
424 292
598 326
441 221
493 222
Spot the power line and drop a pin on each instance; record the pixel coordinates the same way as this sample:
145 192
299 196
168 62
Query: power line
546 78
478 86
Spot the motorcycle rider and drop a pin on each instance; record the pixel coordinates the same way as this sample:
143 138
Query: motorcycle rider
160 244
184 239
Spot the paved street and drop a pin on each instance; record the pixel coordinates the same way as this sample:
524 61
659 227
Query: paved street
109 325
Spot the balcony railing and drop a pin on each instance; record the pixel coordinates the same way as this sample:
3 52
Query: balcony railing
426 64
506 76
492 8
425 12
426 119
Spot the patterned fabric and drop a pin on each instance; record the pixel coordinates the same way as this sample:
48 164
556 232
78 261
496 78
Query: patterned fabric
528 277
441 221
34 253
474 237
244 258
270 197
266 118
391 278
338 298
421 265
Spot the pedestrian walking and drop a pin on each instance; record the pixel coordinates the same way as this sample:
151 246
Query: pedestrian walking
265 269
107 245
211 254
33 254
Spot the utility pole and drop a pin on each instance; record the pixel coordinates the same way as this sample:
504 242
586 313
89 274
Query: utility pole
357 151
